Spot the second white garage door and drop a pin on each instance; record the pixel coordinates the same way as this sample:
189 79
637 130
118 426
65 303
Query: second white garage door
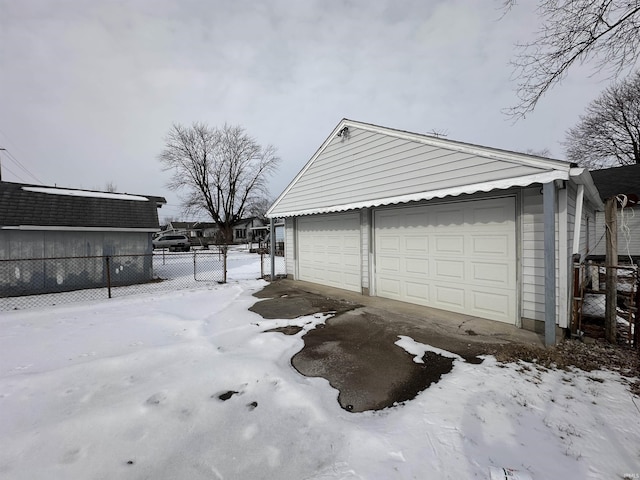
329 250
454 256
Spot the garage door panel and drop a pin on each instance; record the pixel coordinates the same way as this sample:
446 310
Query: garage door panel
417 292
493 304
416 244
449 297
390 286
495 245
414 266
458 256
491 274
389 243
389 265
449 269
329 250
448 245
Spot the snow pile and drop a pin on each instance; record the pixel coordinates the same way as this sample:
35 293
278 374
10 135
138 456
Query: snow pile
187 385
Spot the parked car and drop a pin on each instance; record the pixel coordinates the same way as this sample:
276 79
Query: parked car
173 241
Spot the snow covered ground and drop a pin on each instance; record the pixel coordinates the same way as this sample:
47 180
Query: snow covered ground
130 388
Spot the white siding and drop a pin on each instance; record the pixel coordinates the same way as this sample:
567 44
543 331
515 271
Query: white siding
532 261
370 165
628 233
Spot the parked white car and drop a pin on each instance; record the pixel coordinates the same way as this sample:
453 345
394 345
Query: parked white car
173 241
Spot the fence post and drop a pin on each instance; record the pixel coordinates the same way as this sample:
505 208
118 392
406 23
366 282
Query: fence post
611 260
108 275
224 265
194 265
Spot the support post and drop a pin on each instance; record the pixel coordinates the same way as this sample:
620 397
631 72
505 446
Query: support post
611 262
549 211
108 275
272 248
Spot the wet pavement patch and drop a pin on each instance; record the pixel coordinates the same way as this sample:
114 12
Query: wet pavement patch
296 303
287 330
358 356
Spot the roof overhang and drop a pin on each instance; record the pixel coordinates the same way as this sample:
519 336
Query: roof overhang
581 176
545 177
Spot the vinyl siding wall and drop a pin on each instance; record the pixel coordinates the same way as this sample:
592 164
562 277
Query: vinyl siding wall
532 262
369 166
628 232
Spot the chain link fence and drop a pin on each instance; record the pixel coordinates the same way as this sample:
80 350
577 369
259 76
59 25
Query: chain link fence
36 282
40 282
279 263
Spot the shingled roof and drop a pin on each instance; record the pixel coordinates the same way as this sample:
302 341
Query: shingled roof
618 180
30 206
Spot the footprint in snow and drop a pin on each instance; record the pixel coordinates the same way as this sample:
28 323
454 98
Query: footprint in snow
156 398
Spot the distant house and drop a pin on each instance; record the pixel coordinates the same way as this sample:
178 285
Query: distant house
199 233
623 182
39 222
246 230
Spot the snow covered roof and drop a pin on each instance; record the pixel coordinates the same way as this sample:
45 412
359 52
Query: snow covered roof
33 206
362 165
85 193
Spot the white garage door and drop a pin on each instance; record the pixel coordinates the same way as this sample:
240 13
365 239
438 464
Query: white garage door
329 250
455 256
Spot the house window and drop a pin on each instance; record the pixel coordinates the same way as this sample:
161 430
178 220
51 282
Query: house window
241 233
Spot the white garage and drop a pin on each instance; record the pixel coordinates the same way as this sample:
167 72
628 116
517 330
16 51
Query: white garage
458 227
329 250
457 256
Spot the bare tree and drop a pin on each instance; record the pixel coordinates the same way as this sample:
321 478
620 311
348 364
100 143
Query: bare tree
606 31
220 170
608 133
110 187
259 206
544 152
168 220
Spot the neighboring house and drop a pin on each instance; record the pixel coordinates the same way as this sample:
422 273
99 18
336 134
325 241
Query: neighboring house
38 222
248 230
623 181
199 233
438 223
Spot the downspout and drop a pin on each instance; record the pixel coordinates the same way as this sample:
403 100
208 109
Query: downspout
549 210
577 225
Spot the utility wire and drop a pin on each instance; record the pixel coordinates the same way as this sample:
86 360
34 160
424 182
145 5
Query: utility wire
14 174
11 157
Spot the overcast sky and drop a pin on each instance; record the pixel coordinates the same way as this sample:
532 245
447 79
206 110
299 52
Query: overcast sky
89 89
